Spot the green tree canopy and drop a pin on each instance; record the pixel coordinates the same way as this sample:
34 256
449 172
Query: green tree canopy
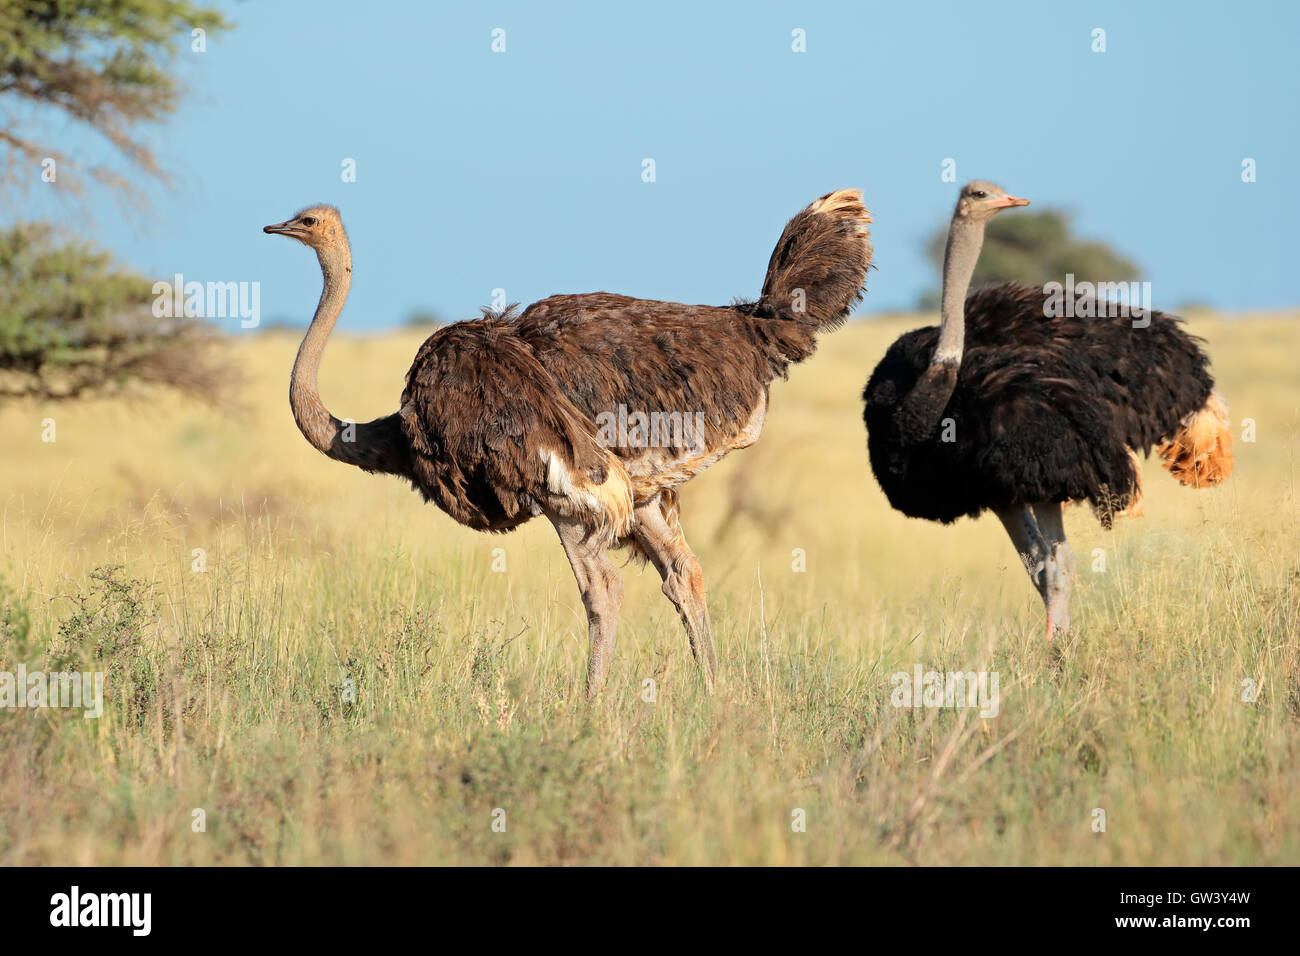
103 63
1034 247
72 322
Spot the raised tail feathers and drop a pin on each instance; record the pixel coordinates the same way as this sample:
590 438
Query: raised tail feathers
819 267
1200 452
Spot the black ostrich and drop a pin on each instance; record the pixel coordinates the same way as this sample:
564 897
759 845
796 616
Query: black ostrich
1011 405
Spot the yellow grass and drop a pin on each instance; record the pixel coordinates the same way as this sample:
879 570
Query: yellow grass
225 687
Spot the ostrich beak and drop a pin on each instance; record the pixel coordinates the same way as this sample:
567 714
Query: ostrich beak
1006 202
280 228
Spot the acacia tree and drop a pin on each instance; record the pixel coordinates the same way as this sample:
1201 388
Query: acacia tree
104 65
1034 247
72 321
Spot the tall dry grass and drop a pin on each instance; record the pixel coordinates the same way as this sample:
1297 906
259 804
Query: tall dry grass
225 687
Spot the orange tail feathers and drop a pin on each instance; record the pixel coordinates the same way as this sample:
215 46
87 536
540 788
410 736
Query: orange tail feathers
1200 453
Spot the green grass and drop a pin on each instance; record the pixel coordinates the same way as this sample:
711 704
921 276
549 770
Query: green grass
225 689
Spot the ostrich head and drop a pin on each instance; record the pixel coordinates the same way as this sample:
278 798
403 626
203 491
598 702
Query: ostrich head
980 201
315 226
321 228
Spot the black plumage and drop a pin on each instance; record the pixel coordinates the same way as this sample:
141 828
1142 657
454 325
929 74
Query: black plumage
1041 409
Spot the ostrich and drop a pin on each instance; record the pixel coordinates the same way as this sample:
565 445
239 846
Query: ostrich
1010 406
509 416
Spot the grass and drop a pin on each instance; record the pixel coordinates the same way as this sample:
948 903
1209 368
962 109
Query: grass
350 681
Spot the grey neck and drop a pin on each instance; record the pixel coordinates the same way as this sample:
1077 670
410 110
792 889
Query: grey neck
965 238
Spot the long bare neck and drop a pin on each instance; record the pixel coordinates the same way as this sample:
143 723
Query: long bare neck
920 411
375 446
964 242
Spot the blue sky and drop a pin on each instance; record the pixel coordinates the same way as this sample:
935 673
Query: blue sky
522 170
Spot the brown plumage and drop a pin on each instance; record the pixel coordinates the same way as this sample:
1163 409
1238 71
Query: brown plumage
494 442
591 409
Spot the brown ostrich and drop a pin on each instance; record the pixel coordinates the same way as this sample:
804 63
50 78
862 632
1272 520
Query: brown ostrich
590 409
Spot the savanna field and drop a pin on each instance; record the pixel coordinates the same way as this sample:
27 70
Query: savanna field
355 679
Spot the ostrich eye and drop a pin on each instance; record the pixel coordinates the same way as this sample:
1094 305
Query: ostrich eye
308 221
979 194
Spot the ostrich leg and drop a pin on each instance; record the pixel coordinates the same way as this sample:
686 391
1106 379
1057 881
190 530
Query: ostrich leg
683 581
602 595
1028 539
1060 565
